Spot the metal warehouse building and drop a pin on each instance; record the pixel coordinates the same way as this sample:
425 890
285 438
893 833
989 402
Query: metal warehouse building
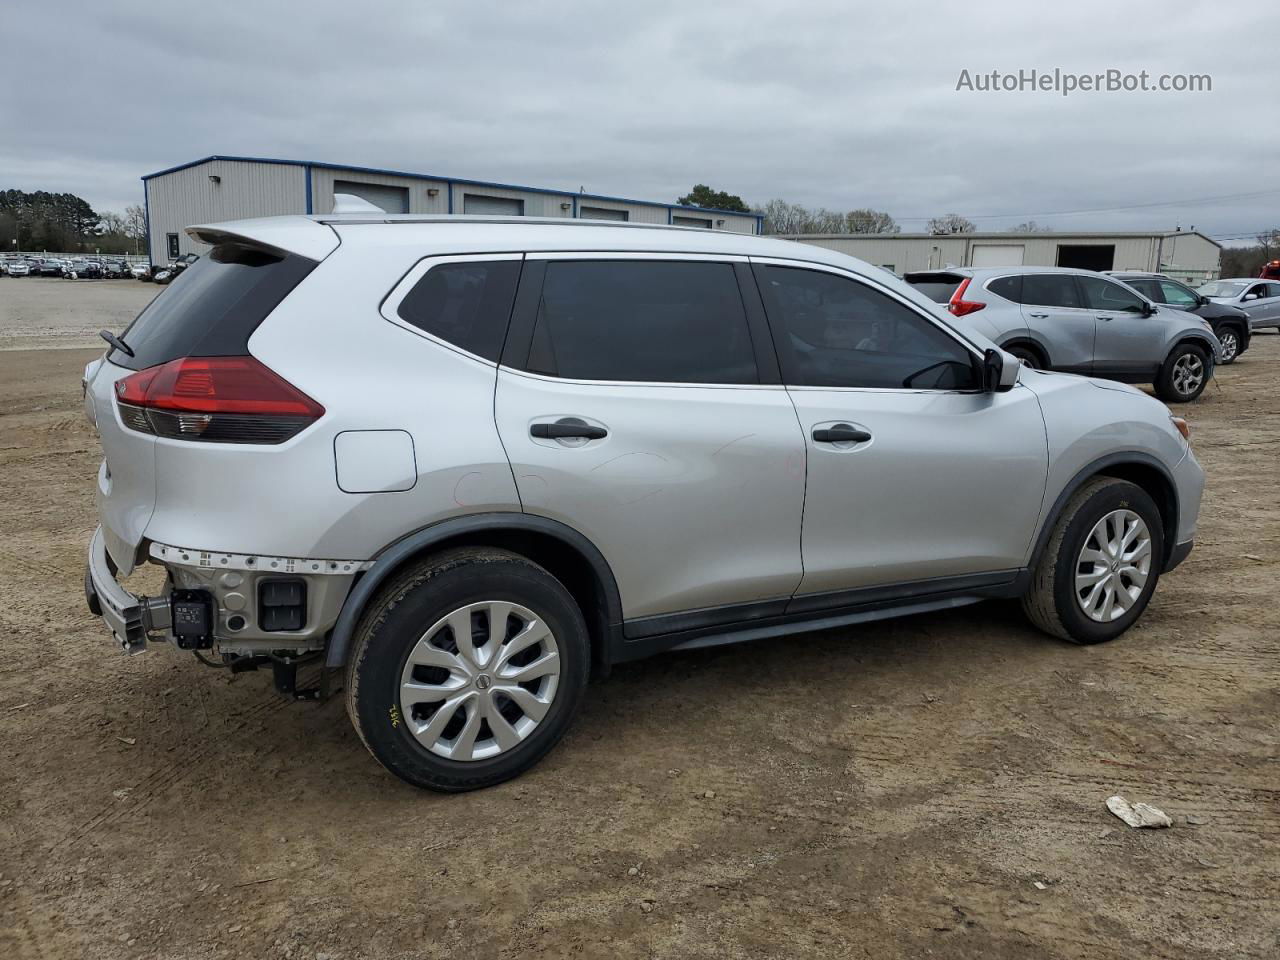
233 188
1183 255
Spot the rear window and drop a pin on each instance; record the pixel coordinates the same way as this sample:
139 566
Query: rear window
938 287
466 304
213 307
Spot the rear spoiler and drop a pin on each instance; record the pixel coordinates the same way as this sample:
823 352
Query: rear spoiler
279 235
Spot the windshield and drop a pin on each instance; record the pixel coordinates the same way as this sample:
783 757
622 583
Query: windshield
1223 288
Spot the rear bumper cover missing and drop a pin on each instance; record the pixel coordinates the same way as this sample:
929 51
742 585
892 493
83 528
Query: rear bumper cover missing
129 618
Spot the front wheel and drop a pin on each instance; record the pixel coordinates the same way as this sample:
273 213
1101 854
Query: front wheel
1101 565
1230 341
1184 374
467 669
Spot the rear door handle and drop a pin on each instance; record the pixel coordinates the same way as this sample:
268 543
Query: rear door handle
567 429
1039 316
840 433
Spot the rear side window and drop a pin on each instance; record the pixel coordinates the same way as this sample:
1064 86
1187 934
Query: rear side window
938 287
212 307
466 304
656 321
1008 287
1103 294
1050 290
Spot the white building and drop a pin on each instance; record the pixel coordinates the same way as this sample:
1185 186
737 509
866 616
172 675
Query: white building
1184 255
233 188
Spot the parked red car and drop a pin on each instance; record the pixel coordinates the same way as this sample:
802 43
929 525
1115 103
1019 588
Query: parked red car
1270 270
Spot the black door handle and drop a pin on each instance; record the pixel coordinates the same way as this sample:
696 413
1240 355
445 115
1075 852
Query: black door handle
567 430
841 433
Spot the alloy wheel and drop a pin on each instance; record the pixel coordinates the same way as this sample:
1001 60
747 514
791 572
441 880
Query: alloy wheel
1230 346
1188 374
480 680
1113 566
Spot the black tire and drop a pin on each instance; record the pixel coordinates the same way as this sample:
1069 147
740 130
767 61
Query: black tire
1027 356
1169 387
1230 340
405 609
1051 602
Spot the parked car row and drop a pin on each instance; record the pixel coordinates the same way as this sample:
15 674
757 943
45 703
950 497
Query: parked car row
74 268
1079 321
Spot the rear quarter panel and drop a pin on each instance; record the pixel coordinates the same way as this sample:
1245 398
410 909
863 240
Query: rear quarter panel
329 339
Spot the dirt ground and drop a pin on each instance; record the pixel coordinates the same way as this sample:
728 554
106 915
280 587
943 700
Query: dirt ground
51 313
932 786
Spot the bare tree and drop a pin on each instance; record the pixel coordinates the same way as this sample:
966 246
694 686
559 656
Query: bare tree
1030 226
865 220
135 225
950 223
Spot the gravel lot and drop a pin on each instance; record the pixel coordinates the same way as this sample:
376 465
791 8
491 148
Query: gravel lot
929 786
38 313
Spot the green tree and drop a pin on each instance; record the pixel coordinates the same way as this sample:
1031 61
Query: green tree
703 196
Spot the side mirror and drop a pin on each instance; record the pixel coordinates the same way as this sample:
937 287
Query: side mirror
1148 308
1250 296
999 371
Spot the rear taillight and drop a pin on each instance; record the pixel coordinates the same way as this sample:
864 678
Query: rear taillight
959 305
214 399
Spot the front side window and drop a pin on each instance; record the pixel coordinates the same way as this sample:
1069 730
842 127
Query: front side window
1258 292
466 304
832 331
1050 290
1149 289
1177 295
655 321
1102 294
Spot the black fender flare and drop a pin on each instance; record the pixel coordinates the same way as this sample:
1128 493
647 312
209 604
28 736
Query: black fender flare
1196 340
390 559
1091 470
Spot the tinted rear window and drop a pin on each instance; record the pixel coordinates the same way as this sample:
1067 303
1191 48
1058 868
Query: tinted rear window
1008 287
1050 290
636 320
212 308
466 304
938 287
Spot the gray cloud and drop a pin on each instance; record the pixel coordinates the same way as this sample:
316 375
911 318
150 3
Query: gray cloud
835 104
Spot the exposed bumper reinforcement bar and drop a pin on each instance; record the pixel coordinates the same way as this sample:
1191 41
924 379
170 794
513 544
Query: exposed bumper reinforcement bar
130 618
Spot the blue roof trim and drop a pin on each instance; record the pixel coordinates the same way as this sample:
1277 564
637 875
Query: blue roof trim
449 180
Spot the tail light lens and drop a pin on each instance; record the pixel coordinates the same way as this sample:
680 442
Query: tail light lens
959 305
216 400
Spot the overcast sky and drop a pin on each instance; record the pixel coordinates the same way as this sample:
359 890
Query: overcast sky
836 104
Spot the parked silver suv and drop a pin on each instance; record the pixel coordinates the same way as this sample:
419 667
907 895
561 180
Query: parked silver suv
1078 321
475 460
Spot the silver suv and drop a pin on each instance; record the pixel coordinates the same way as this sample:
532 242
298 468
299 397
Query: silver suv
474 461
1078 321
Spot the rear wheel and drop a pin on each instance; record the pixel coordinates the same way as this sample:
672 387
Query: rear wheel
1101 565
1184 374
467 669
1026 356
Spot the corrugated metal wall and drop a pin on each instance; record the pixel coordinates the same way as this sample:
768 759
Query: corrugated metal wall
420 199
1189 252
177 200
253 188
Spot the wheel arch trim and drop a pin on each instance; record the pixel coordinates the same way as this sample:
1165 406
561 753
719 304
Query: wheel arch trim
1099 467
395 555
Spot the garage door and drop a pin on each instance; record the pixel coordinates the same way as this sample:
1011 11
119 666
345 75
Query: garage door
601 213
492 206
680 221
387 198
997 255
